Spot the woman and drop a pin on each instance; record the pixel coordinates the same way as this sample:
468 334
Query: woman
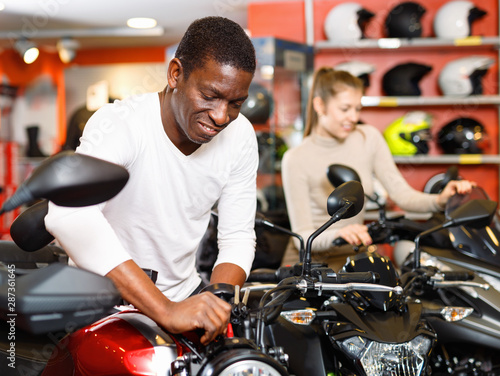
333 135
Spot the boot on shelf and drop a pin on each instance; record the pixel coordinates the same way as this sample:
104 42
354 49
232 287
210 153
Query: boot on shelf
33 149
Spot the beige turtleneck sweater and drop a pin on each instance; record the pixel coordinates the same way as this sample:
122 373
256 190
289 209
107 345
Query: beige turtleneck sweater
307 187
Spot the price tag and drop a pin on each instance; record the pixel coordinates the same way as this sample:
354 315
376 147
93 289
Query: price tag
469 41
470 159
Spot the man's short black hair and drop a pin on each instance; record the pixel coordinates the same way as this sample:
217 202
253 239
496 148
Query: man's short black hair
216 38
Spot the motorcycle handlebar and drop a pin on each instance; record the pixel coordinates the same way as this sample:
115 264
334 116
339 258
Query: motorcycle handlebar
263 275
457 276
357 277
338 242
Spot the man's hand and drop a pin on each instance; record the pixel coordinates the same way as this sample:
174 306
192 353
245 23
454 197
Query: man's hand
204 311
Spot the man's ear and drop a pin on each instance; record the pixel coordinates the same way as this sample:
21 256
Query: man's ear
319 106
174 71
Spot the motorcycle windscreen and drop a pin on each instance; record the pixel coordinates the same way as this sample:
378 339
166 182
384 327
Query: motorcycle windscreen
482 243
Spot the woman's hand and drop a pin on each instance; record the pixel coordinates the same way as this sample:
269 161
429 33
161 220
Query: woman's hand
355 234
454 187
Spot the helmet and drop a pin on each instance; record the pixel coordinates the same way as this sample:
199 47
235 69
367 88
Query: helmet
359 69
408 135
454 19
258 105
271 149
346 22
403 79
462 77
463 136
403 21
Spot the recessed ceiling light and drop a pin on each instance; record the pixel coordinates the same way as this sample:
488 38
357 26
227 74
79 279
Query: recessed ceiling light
141 23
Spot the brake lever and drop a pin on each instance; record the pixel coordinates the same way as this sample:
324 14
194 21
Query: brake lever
445 284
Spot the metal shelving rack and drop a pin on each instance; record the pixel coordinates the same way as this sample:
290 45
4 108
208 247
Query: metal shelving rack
397 43
415 43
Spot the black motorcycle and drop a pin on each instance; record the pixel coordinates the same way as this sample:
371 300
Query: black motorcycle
466 313
334 323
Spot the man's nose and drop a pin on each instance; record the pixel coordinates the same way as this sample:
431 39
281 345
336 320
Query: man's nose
220 114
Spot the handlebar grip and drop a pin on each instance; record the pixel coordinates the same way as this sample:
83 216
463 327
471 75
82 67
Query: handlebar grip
358 277
337 242
263 275
458 276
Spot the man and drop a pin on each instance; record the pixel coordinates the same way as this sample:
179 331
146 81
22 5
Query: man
186 148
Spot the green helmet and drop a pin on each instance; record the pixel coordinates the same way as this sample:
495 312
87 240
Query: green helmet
408 135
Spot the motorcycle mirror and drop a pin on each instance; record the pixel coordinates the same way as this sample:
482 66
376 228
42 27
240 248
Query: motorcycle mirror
70 179
28 229
348 192
474 213
338 174
344 202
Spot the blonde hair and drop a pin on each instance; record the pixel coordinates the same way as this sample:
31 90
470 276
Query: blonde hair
327 83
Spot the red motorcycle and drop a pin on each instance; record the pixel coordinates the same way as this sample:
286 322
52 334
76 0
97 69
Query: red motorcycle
60 320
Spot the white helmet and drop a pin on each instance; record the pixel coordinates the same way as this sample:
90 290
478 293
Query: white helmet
359 69
454 19
345 22
463 77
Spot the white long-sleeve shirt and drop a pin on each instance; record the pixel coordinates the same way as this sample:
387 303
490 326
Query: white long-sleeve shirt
160 216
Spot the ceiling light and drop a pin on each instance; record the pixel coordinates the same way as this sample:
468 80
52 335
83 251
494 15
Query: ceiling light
66 48
141 23
27 50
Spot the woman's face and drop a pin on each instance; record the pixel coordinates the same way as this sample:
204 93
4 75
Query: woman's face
339 116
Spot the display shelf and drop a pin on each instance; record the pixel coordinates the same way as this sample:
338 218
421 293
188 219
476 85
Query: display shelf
462 159
384 101
396 43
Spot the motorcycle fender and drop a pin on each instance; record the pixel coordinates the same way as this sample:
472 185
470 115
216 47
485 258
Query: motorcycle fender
126 343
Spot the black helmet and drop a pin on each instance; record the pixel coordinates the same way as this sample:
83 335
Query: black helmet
403 21
463 136
258 106
403 79
271 149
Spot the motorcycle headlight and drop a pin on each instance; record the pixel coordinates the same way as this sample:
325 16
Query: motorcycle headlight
249 367
396 359
242 362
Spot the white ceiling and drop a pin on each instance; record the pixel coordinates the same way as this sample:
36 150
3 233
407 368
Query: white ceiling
34 19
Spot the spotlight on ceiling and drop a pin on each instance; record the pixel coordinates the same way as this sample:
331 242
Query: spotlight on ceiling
27 50
141 23
66 48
